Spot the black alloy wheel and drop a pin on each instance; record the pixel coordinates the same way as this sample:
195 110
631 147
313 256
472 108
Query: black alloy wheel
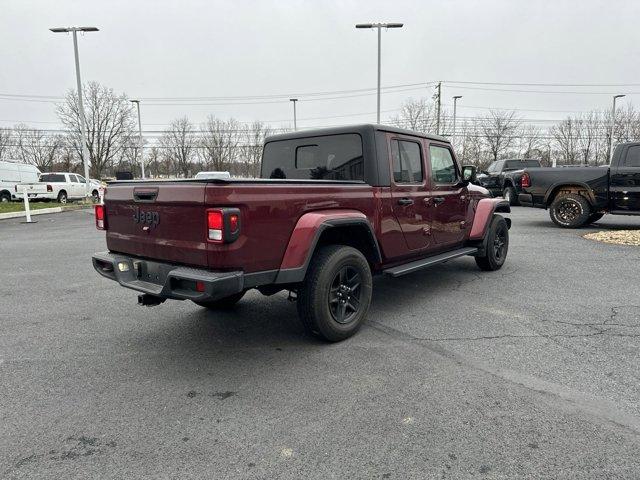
345 294
500 242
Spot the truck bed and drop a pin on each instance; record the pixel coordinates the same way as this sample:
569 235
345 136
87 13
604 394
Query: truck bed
544 181
177 230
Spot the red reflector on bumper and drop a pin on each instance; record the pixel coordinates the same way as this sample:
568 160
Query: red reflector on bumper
200 287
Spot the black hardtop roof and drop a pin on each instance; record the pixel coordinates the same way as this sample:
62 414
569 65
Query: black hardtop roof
359 128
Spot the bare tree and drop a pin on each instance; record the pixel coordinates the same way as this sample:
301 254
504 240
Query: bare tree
6 143
419 115
530 144
37 147
251 149
500 129
110 121
219 143
154 163
179 145
68 159
566 135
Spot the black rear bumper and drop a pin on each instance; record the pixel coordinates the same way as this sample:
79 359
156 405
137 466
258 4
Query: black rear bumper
164 280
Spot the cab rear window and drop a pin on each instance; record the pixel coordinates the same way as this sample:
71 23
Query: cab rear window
330 157
52 178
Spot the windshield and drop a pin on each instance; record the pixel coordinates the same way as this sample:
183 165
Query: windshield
494 167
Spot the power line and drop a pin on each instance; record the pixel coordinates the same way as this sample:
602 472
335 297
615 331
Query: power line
548 84
510 90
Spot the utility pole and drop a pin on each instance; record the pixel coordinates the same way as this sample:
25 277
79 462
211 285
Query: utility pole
439 87
83 126
379 26
613 124
455 105
137 102
295 119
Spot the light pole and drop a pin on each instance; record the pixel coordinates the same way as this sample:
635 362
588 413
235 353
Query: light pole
137 102
83 126
295 120
613 124
455 106
379 26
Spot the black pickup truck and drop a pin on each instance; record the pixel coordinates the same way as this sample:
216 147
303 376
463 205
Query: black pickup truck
502 178
582 195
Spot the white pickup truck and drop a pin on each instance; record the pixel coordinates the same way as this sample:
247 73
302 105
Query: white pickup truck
60 186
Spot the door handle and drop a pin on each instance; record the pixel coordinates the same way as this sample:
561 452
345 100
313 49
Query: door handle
405 201
438 200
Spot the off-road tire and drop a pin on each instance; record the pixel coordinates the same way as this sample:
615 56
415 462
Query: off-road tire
594 217
332 276
497 245
62 197
509 194
570 211
222 303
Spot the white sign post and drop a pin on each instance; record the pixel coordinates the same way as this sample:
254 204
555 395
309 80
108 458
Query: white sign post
26 206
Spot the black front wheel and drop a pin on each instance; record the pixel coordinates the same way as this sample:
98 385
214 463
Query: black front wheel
509 194
497 245
334 297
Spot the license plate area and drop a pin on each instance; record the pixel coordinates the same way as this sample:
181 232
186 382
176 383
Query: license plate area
149 272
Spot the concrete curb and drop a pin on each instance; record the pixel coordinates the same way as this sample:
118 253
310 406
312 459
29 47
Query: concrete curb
42 211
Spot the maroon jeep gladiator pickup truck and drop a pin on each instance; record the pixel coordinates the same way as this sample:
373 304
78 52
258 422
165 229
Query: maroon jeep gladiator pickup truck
333 207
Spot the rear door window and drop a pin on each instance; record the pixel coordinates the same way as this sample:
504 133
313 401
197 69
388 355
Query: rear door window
406 158
329 157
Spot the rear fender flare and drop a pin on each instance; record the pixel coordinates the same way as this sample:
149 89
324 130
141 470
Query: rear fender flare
483 215
552 191
306 234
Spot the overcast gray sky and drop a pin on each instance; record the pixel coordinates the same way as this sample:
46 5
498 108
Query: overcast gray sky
198 48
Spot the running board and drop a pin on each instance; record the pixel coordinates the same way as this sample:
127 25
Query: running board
429 261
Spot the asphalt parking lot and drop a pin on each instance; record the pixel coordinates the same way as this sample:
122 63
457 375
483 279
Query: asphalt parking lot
528 372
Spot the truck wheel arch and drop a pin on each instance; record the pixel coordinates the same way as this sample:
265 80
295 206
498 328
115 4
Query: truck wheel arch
572 187
484 215
317 229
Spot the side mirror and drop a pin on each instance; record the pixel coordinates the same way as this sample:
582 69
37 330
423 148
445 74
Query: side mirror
469 173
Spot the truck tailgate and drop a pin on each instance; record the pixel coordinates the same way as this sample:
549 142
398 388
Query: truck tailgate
163 220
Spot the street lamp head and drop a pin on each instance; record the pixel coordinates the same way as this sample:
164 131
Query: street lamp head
73 29
456 97
619 96
293 99
379 25
134 101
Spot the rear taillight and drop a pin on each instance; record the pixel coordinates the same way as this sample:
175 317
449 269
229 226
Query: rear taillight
526 180
223 225
215 225
101 220
49 188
